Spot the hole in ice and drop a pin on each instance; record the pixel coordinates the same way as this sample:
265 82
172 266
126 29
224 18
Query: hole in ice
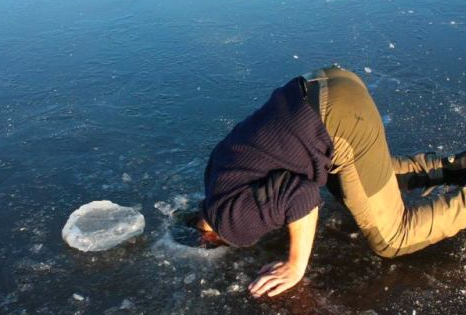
184 232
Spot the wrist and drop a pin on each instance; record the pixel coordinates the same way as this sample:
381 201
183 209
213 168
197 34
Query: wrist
297 265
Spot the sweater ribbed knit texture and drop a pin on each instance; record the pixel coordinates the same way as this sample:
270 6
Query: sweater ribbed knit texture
267 172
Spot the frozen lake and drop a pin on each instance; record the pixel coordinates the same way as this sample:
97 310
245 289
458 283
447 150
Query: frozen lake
123 100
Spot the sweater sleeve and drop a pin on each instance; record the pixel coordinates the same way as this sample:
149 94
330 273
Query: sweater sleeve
244 216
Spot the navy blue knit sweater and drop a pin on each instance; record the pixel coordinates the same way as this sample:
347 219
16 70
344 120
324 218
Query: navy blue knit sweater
267 172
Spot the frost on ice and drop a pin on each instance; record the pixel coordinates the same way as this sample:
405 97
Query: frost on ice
101 225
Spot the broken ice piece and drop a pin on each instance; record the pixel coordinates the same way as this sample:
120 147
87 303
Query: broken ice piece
295 56
234 288
189 278
78 297
126 178
126 305
367 70
101 225
164 207
210 292
391 45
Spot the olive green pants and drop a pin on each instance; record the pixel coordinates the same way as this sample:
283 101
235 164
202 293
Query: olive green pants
368 180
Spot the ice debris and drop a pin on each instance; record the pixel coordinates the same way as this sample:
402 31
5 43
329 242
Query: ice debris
189 278
126 305
101 225
180 202
367 70
78 297
234 288
391 45
126 178
210 292
295 56
164 208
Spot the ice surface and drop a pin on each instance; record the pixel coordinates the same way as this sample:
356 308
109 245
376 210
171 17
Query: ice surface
387 118
101 225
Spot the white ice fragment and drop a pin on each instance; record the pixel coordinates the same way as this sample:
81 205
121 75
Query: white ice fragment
354 235
234 288
367 70
101 225
189 278
295 56
181 202
414 312
410 11
164 207
440 147
391 45
36 248
243 278
463 292
126 178
126 305
210 292
78 297
453 22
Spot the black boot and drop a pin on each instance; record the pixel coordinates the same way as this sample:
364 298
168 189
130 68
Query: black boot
454 169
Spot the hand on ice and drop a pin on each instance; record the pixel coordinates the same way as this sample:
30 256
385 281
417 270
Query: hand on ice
275 278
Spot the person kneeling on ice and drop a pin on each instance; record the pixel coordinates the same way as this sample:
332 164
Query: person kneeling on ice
323 129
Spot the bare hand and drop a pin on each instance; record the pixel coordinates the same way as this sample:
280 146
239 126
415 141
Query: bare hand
275 278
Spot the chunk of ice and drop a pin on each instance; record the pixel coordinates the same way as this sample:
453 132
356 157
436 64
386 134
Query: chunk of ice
189 278
126 305
295 57
78 297
126 178
164 207
367 70
234 288
210 292
392 46
101 225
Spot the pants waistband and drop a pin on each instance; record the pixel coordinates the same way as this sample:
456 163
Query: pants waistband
315 88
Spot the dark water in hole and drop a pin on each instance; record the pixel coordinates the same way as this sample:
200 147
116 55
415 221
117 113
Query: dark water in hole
123 100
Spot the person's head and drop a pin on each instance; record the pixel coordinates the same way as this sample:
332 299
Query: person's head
209 238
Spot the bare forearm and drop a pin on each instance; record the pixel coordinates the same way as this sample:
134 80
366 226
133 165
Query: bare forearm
302 233
279 276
